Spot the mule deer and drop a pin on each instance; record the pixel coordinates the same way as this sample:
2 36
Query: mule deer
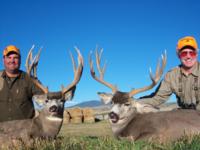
134 121
49 121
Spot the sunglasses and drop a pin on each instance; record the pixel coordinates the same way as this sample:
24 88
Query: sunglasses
185 53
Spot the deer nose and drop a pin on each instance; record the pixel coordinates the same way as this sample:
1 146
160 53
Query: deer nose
113 115
53 108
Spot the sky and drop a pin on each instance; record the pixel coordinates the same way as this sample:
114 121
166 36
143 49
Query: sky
132 33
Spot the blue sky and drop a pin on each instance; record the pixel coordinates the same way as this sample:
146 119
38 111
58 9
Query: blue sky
132 33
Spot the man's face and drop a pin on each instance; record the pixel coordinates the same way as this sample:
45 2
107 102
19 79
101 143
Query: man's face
188 57
12 63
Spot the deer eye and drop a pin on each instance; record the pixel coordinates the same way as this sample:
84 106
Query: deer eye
127 104
62 100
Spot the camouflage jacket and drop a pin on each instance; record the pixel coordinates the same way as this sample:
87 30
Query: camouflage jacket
16 97
185 87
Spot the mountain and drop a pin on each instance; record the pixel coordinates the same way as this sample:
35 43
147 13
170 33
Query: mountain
92 103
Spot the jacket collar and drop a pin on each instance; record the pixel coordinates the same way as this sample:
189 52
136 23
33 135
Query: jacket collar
20 76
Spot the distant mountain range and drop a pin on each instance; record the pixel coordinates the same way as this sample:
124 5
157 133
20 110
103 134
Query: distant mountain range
92 103
96 103
99 106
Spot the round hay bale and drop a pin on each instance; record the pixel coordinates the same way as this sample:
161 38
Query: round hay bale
88 115
76 115
89 119
66 117
75 112
76 120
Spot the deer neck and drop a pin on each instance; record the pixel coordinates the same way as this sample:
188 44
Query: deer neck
50 126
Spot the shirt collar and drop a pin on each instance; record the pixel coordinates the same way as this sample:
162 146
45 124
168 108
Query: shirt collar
21 75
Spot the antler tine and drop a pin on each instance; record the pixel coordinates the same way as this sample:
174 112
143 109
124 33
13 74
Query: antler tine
101 70
36 60
100 53
31 66
28 59
104 67
154 79
164 61
77 72
158 71
91 65
73 62
98 60
164 58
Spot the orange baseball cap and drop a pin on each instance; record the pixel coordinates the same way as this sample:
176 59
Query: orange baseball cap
11 48
187 41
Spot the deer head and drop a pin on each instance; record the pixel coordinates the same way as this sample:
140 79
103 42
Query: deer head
54 101
123 104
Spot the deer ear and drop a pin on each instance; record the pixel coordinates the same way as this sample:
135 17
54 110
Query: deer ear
105 97
40 99
145 108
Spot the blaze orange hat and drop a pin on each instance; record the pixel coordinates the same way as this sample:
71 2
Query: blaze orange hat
11 48
187 41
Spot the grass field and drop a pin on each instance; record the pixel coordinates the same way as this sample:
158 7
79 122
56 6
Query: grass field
98 136
98 129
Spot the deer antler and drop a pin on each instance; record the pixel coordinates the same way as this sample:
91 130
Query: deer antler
77 71
155 79
101 70
31 67
31 63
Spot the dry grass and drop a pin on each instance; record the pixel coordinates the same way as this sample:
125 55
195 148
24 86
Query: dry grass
101 128
98 136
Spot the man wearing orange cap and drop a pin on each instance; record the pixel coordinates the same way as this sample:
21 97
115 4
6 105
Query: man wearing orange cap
183 81
16 88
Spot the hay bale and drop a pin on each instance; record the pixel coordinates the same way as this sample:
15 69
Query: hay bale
76 120
76 115
75 112
88 115
66 117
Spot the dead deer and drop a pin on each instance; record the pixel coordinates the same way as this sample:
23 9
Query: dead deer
134 121
49 121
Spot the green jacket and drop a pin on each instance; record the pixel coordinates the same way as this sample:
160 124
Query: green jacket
185 87
16 97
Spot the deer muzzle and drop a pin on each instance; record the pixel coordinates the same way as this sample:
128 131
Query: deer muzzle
53 108
113 117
